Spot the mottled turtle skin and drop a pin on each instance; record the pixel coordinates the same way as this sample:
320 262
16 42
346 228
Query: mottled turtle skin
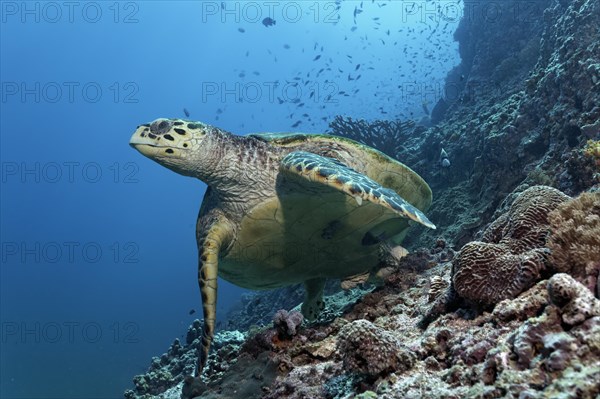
282 209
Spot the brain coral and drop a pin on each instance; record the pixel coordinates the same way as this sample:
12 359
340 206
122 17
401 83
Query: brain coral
512 253
370 350
575 238
525 225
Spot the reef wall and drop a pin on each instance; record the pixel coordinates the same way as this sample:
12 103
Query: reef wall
498 46
524 103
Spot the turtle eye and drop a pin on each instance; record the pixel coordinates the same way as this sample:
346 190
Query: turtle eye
160 127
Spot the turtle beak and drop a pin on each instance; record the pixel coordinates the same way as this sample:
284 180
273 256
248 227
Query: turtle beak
144 144
147 150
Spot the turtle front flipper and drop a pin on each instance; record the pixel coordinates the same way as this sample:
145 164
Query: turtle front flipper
333 173
214 232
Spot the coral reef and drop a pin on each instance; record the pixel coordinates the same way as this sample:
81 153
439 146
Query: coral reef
538 340
179 361
258 308
437 286
533 122
544 341
581 168
166 370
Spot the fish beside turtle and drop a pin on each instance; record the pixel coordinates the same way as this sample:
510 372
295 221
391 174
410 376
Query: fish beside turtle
286 208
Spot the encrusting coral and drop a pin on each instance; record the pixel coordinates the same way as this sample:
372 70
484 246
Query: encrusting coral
370 350
575 239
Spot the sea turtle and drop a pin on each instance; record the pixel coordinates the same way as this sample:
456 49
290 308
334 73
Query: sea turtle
286 208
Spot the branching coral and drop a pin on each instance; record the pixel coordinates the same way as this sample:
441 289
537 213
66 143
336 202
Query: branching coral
386 136
575 238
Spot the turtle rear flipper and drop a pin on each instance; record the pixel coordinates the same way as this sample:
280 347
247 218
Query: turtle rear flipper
313 302
333 173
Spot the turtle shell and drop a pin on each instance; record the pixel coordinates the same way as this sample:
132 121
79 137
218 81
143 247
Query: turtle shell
308 230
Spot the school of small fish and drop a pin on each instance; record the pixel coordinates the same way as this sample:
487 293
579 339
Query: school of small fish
327 77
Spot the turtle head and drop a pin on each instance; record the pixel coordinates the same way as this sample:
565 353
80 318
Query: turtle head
180 145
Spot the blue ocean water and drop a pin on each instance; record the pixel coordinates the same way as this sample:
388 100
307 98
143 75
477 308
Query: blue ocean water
98 257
